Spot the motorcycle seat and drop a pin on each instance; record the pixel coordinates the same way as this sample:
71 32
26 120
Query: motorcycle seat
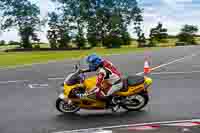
131 81
135 80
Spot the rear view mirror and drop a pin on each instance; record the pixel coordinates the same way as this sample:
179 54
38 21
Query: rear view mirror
76 67
62 84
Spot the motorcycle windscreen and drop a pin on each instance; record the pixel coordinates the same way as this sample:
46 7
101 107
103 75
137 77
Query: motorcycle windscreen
73 80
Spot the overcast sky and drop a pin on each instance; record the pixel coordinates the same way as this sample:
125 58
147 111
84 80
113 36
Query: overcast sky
172 13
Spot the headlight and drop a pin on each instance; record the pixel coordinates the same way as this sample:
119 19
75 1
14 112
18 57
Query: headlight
148 81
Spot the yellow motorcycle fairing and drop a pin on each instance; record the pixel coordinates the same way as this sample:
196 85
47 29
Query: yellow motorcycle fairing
88 84
92 103
86 102
68 89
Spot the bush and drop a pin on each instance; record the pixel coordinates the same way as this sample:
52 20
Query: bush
14 43
181 43
151 44
164 41
187 38
126 38
80 41
187 35
93 41
141 41
37 46
112 41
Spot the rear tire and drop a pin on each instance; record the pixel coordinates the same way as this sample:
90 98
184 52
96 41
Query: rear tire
134 103
65 108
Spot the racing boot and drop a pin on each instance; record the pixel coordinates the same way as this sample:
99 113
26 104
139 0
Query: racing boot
110 103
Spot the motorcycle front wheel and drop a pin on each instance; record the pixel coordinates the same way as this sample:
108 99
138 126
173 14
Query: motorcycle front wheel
136 102
64 107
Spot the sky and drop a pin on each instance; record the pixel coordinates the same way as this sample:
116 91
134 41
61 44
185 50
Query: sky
172 13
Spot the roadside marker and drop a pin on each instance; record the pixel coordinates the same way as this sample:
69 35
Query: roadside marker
147 68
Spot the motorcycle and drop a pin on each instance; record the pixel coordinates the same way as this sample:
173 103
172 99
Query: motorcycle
133 96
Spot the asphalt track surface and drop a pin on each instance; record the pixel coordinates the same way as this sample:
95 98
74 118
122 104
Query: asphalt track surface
174 96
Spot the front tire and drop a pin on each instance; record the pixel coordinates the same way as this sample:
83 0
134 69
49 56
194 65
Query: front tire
136 102
64 107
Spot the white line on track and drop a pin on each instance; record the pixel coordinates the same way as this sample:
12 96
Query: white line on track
132 125
172 62
57 78
14 81
37 85
18 81
160 73
30 86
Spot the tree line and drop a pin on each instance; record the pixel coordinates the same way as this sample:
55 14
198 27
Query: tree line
92 23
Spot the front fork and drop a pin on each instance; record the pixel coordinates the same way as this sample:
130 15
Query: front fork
62 96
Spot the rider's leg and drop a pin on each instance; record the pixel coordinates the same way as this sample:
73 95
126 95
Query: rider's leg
112 90
108 96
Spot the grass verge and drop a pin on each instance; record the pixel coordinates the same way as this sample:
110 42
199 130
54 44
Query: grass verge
13 59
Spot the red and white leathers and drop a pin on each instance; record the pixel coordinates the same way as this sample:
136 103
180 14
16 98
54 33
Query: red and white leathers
110 73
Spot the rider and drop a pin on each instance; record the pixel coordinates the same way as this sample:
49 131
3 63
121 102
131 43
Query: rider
105 71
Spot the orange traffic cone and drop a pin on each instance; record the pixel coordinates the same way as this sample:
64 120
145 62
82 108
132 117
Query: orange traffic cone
147 68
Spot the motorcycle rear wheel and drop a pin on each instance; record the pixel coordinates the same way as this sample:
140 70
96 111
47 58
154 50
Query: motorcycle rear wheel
136 102
64 107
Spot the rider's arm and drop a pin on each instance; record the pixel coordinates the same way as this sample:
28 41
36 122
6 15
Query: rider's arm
100 78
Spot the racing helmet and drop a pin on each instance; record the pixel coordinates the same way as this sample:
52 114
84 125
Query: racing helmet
94 62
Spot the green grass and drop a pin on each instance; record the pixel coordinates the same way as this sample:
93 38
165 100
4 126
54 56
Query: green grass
2 48
169 42
21 58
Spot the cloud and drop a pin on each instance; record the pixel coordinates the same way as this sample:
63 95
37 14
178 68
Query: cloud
172 13
176 1
10 35
176 4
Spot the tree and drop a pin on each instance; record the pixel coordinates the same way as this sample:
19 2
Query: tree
23 15
64 38
100 20
58 35
2 43
186 36
111 19
158 34
126 38
73 15
141 37
142 40
189 29
52 33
